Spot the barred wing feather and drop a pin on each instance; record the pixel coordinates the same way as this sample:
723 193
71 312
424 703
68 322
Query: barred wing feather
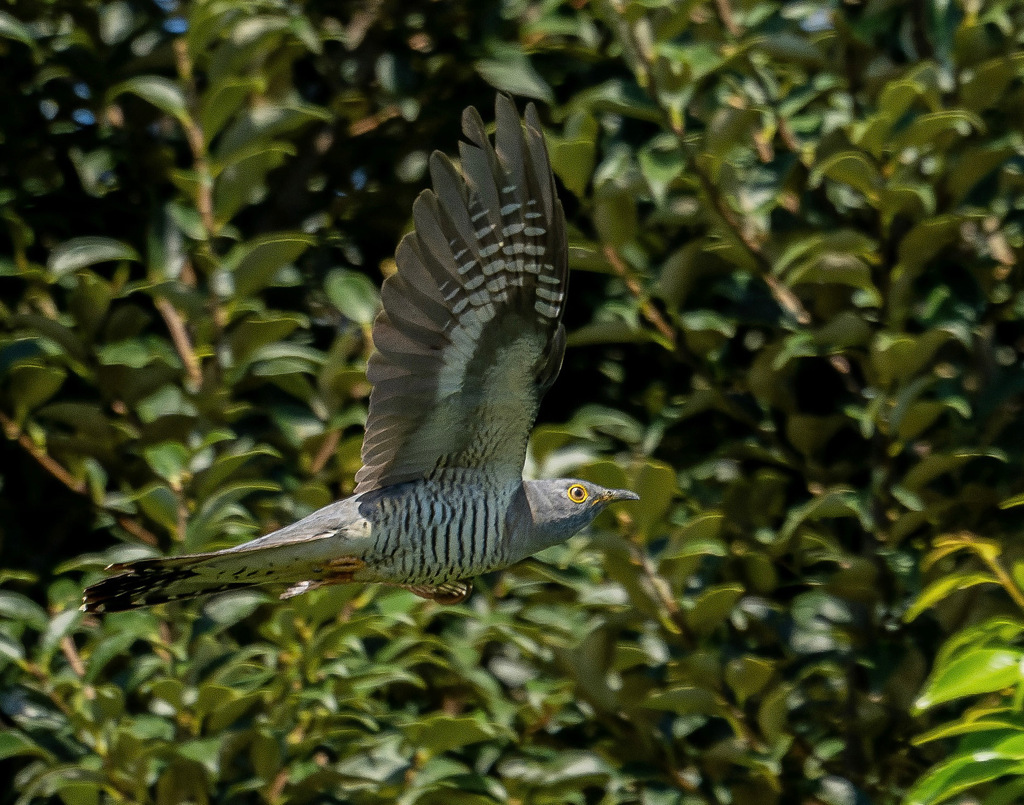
470 335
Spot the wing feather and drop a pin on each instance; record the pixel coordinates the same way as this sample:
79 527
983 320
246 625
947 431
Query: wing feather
470 335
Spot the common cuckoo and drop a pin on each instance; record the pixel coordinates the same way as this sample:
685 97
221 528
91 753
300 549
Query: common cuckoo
469 338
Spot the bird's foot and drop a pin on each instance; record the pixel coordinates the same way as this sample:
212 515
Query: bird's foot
451 592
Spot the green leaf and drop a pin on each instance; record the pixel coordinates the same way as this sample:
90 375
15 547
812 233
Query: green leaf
943 588
850 167
1010 502
12 28
207 481
354 294
242 179
701 536
15 744
698 59
615 216
31 386
169 460
834 503
59 627
685 700
938 128
972 673
165 94
510 70
256 262
657 486
573 156
441 733
221 101
86 251
611 331
961 773
227 609
971 725
662 162
773 714
748 676
17 607
898 357
137 353
713 607
160 504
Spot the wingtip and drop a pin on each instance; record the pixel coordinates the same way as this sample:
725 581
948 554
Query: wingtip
473 127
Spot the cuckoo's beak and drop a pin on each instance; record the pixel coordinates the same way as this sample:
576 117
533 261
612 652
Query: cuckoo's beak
620 494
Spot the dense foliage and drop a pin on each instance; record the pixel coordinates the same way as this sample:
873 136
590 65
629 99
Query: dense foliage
796 327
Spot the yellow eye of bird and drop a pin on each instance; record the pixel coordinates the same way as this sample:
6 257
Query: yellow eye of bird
577 493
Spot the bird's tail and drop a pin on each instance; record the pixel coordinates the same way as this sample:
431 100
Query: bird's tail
146 582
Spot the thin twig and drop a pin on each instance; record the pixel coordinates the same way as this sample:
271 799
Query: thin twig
138 531
649 311
204 194
327 449
70 651
783 295
725 15
47 462
277 786
180 337
1005 579
196 139
658 584
58 471
788 300
371 122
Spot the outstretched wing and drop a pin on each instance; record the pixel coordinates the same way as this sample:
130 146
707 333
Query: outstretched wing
470 335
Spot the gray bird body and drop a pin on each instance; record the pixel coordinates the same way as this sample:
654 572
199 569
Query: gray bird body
469 339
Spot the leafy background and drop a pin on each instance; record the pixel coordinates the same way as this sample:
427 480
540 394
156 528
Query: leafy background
796 325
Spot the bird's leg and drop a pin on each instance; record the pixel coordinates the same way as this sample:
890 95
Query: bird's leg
341 570
336 571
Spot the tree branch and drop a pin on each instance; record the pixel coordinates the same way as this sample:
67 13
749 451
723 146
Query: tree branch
783 295
725 15
196 140
180 337
649 311
58 471
13 432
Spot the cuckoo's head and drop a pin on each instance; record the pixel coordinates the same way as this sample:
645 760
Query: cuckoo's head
562 507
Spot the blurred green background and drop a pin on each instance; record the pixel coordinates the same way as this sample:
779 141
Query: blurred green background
796 323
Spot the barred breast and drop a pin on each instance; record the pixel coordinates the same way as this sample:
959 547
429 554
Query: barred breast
437 530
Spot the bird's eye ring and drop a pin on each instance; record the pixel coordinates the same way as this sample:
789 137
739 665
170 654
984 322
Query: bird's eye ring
577 493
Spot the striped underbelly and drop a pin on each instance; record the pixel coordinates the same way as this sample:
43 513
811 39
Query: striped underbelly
434 534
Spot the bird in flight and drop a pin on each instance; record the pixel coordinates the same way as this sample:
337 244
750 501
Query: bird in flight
469 339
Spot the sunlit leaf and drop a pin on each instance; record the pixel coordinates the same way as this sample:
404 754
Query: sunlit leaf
86 251
943 587
977 671
354 295
165 94
511 71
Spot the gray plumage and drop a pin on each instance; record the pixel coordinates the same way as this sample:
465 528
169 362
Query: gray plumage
469 338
